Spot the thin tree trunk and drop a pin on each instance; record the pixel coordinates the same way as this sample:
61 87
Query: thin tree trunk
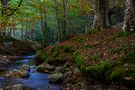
65 31
58 23
101 14
129 20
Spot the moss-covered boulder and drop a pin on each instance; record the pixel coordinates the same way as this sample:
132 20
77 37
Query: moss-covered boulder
55 55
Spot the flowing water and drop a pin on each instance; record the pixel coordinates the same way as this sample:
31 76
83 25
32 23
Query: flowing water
37 81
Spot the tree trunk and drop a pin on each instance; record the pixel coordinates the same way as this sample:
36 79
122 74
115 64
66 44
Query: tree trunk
129 20
58 23
101 14
65 31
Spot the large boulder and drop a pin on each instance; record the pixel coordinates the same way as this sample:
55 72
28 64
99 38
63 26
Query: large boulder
45 68
57 77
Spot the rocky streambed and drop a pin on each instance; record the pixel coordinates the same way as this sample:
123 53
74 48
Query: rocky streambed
22 75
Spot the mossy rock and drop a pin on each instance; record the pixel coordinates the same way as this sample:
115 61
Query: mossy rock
45 68
55 55
41 56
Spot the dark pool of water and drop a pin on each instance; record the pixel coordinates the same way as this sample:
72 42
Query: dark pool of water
38 81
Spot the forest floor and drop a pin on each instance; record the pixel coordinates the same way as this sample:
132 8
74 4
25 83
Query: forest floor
107 56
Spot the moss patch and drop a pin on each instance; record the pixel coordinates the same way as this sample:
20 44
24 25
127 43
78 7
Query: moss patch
55 55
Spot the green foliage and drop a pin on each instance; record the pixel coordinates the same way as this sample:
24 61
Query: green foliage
130 57
92 31
125 33
86 46
66 49
99 69
41 56
79 39
96 57
78 59
117 73
118 50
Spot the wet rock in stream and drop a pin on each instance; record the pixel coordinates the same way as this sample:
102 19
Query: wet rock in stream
23 72
45 68
56 77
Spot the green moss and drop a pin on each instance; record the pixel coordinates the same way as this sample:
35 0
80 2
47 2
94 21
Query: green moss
123 34
78 59
117 73
116 50
126 33
79 39
41 56
96 57
99 69
130 57
86 46
92 31
66 49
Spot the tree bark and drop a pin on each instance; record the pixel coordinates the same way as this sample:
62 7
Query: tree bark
129 20
58 22
101 14
65 31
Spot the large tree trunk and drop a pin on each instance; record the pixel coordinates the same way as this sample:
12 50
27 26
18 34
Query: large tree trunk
101 14
129 21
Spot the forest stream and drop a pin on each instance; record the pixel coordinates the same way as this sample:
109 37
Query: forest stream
36 81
